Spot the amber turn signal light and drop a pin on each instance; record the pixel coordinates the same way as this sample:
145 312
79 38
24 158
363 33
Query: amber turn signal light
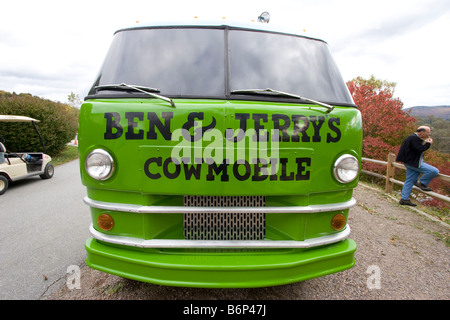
105 222
338 221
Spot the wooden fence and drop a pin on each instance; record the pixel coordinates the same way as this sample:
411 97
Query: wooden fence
389 177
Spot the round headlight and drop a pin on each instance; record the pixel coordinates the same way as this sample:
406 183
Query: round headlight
99 164
346 168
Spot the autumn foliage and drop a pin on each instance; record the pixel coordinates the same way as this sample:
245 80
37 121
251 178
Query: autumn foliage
385 124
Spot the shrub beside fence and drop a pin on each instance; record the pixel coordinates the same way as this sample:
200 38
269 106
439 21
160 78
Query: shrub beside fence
390 164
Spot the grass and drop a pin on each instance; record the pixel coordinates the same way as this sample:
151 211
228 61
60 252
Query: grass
68 154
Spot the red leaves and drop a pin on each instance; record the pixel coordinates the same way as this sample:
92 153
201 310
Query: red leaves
385 124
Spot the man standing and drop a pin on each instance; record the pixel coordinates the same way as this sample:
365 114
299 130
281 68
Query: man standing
411 154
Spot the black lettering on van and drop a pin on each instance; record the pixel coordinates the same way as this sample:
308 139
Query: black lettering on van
198 132
192 170
170 168
284 176
292 128
217 169
300 128
237 174
331 125
131 134
301 173
242 117
155 121
317 126
113 124
257 117
147 164
258 169
167 172
283 128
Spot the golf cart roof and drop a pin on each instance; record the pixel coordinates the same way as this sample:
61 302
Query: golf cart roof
9 118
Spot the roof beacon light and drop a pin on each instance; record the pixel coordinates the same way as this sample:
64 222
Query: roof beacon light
264 17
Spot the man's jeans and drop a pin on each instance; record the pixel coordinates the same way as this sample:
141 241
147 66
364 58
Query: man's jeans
412 174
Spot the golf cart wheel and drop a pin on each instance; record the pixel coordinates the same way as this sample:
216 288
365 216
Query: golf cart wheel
48 171
3 184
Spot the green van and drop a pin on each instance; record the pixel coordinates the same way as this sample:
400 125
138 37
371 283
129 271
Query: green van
219 155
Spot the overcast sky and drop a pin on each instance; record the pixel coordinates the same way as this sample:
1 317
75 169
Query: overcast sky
50 48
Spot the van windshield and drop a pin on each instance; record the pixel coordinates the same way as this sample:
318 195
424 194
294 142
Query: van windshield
210 62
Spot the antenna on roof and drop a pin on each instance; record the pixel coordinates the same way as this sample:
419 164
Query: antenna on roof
264 17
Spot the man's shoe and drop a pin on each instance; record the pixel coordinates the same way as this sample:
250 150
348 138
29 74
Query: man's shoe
407 203
421 186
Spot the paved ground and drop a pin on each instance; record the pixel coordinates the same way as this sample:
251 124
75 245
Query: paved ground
44 224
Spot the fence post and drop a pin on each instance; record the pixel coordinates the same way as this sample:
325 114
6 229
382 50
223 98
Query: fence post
390 173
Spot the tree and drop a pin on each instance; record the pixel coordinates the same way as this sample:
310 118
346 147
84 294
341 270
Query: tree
74 100
58 123
385 124
440 130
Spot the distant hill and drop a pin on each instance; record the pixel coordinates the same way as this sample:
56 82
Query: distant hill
424 111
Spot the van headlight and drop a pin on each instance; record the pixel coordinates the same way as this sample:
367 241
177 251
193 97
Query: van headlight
99 164
346 168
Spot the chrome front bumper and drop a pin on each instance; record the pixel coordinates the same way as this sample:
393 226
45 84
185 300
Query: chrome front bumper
244 244
179 243
181 209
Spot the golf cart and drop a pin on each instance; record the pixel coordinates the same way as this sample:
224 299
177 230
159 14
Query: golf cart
19 165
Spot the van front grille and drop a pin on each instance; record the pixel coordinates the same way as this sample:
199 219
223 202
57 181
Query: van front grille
224 226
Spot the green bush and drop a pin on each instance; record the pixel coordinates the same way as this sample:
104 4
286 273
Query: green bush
58 123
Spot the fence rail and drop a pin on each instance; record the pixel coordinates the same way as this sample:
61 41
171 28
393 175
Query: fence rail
389 177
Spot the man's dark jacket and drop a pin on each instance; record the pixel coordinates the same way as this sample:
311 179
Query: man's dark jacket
411 149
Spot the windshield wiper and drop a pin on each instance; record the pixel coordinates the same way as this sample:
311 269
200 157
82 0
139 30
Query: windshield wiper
280 93
147 90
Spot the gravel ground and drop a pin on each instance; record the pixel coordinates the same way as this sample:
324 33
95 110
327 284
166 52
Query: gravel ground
407 250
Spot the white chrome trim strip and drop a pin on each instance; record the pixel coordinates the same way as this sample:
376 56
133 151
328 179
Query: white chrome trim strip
175 243
181 209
